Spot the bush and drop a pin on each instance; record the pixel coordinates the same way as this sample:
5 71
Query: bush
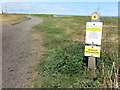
68 60
66 67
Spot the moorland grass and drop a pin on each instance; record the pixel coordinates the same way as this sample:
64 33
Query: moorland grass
64 64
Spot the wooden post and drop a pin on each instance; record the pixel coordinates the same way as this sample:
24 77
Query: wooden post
95 17
91 62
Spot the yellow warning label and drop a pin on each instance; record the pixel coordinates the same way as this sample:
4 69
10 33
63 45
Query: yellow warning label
92 51
94 16
94 29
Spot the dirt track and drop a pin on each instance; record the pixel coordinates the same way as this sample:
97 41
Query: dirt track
16 59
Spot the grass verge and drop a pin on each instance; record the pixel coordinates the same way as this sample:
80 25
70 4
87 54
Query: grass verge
64 64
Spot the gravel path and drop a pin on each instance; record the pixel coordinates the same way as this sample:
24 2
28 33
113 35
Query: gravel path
16 59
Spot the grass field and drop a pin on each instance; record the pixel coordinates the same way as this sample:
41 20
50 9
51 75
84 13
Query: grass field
64 64
12 19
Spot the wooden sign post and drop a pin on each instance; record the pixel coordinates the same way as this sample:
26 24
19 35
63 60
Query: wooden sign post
93 39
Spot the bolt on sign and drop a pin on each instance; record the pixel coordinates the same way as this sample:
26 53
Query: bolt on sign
93 33
93 51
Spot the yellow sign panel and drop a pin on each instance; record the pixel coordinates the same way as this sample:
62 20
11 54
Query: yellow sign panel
92 51
94 29
94 16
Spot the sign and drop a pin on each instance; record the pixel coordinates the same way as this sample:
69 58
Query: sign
93 33
94 16
93 51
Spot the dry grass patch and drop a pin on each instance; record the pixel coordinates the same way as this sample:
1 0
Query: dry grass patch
12 19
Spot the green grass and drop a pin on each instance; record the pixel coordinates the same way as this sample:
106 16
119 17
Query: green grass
64 64
58 31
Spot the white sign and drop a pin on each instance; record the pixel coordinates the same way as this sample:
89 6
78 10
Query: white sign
93 32
93 51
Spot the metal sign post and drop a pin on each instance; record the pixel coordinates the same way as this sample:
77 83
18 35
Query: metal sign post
93 38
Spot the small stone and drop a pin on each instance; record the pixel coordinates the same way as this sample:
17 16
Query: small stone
9 67
43 53
21 53
11 70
